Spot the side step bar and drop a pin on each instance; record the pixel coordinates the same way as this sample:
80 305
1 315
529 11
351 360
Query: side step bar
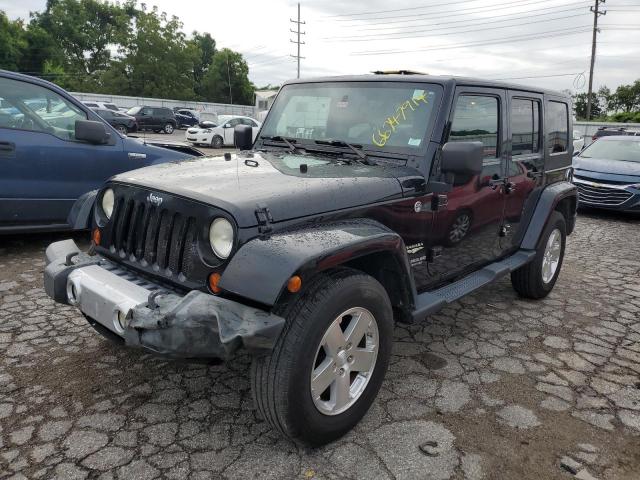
430 302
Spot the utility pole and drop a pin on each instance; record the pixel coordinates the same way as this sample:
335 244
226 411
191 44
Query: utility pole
596 13
298 33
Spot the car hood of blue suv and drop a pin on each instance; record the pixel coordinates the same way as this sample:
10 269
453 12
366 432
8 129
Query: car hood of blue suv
605 169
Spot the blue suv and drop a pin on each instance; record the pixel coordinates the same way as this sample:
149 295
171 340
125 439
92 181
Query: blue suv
53 149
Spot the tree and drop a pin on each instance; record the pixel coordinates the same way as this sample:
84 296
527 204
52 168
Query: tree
85 30
628 97
13 43
206 46
580 105
155 60
227 80
606 99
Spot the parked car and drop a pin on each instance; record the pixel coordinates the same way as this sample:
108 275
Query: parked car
102 105
578 141
302 248
613 131
158 119
186 118
54 149
607 174
222 134
120 121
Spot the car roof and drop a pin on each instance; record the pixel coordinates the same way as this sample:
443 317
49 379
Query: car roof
418 78
628 138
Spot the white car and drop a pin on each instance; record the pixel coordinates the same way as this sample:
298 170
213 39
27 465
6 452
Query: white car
221 134
578 141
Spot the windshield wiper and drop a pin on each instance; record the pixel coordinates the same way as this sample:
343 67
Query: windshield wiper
363 158
278 138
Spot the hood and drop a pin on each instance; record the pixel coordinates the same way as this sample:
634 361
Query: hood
238 185
605 168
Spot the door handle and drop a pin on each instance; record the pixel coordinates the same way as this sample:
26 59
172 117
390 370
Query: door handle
7 149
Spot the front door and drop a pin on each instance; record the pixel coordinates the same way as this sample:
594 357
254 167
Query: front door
468 225
44 169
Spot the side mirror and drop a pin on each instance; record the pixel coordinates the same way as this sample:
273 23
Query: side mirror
462 158
227 125
243 137
92 132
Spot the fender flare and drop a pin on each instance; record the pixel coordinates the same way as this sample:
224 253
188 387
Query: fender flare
549 199
306 252
81 215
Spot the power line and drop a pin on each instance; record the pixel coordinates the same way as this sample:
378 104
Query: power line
399 9
448 13
475 20
411 34
298 41
561 32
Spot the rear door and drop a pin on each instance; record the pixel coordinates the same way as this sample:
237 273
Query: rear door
467 227
525 162
44 169
228 129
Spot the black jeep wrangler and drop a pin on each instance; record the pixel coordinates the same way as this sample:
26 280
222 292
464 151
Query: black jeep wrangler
363 200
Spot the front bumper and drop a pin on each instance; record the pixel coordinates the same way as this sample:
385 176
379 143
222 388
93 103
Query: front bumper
142 314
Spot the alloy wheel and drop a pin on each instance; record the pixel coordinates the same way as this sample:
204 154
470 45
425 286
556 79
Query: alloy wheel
551 256
344 361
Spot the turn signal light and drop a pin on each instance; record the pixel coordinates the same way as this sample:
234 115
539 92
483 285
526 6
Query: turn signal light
95 236
294 284
214 278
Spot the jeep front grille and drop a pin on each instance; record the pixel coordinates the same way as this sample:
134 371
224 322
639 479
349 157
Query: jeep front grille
153 236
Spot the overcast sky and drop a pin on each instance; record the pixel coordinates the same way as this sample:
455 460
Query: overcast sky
549 40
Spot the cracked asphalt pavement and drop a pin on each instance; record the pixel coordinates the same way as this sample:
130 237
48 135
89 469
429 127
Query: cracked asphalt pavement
492 387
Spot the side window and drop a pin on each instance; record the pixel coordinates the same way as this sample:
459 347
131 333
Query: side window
235 121
248 121
111 106
146 111
91 105
476 119
27 106
557 126
525 126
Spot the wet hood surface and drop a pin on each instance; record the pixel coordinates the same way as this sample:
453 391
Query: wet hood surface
604 167
241 184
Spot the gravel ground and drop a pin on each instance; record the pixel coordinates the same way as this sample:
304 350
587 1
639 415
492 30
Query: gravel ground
492 387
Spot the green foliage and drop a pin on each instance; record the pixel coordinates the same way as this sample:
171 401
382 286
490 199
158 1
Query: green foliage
122 49
227 79
623 105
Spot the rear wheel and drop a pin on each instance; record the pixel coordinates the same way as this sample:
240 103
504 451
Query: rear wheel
122 129
168 128
537 278
329 362
217 142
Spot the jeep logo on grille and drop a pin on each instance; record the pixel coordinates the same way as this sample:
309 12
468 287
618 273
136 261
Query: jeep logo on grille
154 200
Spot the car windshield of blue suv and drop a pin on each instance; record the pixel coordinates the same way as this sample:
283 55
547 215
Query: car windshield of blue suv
623 150
376 115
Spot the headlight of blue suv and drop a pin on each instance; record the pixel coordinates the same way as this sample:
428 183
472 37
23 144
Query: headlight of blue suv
221 237
107 202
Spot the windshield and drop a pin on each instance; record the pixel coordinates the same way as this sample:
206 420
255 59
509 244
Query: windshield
133 110
389 116
624 150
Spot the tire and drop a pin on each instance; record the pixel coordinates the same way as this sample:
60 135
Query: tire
459 228
281 382
217 142
168 128
529 280
122 129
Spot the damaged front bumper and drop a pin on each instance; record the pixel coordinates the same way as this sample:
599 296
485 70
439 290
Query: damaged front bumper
130 309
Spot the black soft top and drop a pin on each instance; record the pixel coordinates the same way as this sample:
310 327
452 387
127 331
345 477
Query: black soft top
446 81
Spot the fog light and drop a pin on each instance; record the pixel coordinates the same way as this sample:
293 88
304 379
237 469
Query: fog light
120 321
72 293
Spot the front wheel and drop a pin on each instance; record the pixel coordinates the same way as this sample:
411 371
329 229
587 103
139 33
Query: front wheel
122 129
537 278
217 142
329 362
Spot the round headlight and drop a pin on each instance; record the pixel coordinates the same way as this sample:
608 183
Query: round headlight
221 237
107 202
